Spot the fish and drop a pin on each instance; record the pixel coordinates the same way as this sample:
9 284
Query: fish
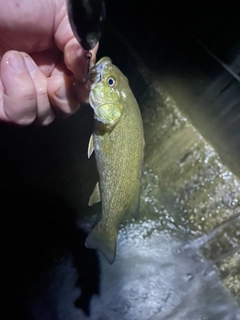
118 143
87 20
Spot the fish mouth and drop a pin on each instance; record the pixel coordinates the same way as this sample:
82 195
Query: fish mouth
95 73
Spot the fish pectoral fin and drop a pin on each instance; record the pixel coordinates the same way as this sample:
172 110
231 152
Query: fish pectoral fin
95 197
134 209
101 240
90 146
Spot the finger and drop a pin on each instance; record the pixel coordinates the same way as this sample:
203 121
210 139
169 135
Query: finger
19 99
94 55
74 58
61 93
63 36
81 92
45 114
73 52
46 60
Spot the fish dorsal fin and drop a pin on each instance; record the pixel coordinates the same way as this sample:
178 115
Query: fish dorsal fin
90 146
95 197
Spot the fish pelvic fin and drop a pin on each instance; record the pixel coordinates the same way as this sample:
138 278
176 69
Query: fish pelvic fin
103 241
90 146
95 197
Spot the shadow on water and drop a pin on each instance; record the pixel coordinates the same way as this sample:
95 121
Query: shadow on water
41 244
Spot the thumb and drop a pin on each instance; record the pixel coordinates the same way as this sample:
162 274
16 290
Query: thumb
18 100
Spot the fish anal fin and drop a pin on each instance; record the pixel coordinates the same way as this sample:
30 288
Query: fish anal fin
90 146
104 242
95 197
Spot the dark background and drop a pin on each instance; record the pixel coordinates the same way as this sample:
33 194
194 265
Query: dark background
164 35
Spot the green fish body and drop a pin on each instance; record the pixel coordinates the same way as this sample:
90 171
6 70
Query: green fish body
118 143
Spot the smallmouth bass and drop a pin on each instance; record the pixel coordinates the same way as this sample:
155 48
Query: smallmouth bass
118 143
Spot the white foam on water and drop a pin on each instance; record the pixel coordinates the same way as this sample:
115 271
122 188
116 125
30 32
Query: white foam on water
155 278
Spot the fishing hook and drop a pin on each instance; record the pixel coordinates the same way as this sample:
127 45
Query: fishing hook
88 56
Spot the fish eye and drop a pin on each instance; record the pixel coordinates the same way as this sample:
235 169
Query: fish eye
111 82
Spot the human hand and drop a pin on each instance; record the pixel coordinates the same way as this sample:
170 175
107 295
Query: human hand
41 62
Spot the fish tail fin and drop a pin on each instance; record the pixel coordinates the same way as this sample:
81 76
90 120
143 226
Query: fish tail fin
101 240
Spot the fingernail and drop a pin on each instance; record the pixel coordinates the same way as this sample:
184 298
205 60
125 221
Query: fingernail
16 62
49 119
30 65
61 92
